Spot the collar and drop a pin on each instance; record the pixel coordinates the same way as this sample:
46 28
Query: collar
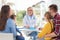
55 15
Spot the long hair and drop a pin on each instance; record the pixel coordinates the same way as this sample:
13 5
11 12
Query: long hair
49 17
4 16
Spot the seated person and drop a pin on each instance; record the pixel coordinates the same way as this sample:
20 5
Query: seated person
13 17
30 21
47 27
6 24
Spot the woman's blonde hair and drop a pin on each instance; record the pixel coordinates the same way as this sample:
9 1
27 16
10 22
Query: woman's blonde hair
48 15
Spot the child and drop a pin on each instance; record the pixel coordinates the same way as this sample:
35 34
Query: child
17 37
47 27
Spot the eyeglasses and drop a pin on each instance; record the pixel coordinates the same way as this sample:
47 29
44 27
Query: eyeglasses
30 10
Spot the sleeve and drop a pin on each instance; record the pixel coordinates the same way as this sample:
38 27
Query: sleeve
35 22
25 21
12 28
57 27
44 31
18 30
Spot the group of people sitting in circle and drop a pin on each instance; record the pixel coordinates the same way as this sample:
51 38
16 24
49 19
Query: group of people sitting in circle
50 31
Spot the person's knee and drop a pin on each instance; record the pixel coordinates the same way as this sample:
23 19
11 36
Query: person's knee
20 38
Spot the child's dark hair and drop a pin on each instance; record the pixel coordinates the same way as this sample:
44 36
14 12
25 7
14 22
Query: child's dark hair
12 16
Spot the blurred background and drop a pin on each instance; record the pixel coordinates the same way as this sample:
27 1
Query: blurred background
19 8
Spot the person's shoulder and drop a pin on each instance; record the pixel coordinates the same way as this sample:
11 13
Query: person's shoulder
58 17
47 23
10 20
25 16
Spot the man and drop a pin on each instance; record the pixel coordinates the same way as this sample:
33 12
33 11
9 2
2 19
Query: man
30 21
53 9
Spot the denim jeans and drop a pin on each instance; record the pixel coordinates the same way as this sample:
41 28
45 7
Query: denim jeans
20 37
33 34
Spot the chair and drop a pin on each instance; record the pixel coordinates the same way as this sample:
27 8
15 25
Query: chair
6 36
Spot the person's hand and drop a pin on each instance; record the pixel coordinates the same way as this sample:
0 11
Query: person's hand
47 36
27 26
40 28
51 35
21 34
35 26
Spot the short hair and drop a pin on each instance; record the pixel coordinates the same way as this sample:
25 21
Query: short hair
29 7
54 7
12 16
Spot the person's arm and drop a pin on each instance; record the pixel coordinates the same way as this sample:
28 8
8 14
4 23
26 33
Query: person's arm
56 32
51 35
25 22
18 30
11 24
44 31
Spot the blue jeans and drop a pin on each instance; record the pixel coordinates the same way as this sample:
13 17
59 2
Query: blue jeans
20 38
33 34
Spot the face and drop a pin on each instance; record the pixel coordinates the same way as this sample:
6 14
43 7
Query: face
30 11
45 17
52 12
10 12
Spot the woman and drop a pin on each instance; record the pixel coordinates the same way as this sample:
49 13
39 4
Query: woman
47 27
7 25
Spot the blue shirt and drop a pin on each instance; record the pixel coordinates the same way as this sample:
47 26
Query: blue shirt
10 27
29 20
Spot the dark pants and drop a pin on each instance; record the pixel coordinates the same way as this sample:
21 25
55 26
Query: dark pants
20 38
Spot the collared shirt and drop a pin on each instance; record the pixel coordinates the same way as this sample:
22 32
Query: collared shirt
29 20
57 25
